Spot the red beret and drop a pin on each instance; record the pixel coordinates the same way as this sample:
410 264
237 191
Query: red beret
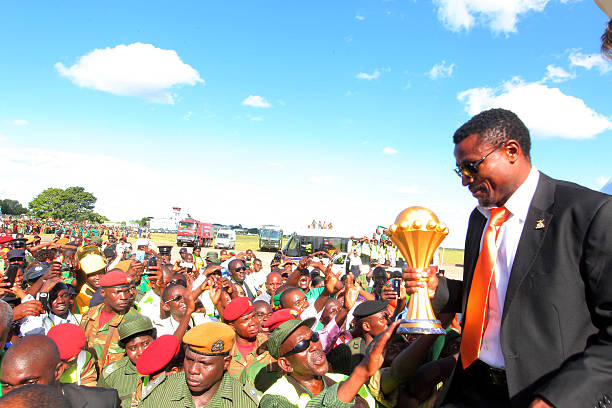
114 278
159 353
5 239
236 308
279 317
69 339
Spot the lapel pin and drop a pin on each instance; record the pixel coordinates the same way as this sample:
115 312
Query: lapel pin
540 224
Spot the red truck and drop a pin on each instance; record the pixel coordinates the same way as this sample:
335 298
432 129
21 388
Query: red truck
193 232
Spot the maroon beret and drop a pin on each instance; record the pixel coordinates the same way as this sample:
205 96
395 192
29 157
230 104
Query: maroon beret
279 317
69 339
5 239
236 308
159 353
114 278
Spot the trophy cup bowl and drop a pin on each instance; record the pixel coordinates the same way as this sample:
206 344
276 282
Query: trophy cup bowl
417 233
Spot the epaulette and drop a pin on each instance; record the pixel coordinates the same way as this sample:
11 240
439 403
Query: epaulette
111 368
251 392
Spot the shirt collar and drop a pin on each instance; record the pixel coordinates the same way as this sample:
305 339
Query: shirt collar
519 202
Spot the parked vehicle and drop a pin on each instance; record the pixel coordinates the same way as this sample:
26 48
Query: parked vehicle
270 237
226 239
304 243
192 232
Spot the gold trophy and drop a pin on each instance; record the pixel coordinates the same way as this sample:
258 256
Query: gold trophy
417 233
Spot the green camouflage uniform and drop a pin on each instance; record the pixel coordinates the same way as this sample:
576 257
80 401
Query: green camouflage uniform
122 376
239 363
97 336
174 393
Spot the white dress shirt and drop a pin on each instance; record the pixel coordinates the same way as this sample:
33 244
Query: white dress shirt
507 244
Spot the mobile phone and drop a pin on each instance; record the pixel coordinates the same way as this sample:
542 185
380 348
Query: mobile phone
396 281
140 256
152 261
11 274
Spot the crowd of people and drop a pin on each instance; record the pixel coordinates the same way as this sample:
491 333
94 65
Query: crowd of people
104 322
201 328
26 225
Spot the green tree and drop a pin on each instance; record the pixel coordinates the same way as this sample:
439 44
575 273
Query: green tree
71 204
12 207
143 222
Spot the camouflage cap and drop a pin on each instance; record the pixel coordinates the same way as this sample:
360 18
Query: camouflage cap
282 332
133 326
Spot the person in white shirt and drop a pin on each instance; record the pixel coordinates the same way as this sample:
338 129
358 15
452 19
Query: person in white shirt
176 305
59 301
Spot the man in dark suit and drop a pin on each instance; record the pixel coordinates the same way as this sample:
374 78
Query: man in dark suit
34 359
536 293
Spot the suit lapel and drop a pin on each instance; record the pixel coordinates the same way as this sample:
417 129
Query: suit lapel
532 237
472 249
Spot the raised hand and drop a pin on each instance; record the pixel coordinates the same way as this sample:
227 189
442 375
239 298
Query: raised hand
372 362
351 293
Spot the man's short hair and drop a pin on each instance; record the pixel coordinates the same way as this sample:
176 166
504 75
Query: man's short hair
496 126
283 296
34 396
6 314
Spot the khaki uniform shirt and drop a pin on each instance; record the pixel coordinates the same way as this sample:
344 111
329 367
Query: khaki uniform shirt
97 336
174 393
122 376
239 363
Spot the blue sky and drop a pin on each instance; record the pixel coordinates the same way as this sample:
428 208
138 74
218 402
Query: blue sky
281 112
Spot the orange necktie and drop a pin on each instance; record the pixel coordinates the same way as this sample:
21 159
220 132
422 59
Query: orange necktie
478 299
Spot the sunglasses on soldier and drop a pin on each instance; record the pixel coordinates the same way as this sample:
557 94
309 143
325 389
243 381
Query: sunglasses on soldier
302 345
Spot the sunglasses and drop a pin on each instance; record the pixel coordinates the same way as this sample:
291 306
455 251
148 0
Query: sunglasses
241 268
176 298
470 169
302 345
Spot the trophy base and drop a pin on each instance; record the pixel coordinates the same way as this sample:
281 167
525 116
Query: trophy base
420 326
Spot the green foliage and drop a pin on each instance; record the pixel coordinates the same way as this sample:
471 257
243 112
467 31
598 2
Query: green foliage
143 222
12 207
71 204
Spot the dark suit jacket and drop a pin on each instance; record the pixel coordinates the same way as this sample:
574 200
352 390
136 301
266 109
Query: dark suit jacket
556 329
91 397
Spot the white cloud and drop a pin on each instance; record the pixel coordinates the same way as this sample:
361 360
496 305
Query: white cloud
547 112
369 77
389 150
501 16
137 69
255 118
602 181
578 59
188 115
557 74
359 17
20 122
441 70
256 101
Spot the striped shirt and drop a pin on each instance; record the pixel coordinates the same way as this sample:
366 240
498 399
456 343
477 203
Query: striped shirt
174 393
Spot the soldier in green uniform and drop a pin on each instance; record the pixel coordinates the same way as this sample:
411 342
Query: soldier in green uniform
205 381
135 335
307 382
240 316
100 323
